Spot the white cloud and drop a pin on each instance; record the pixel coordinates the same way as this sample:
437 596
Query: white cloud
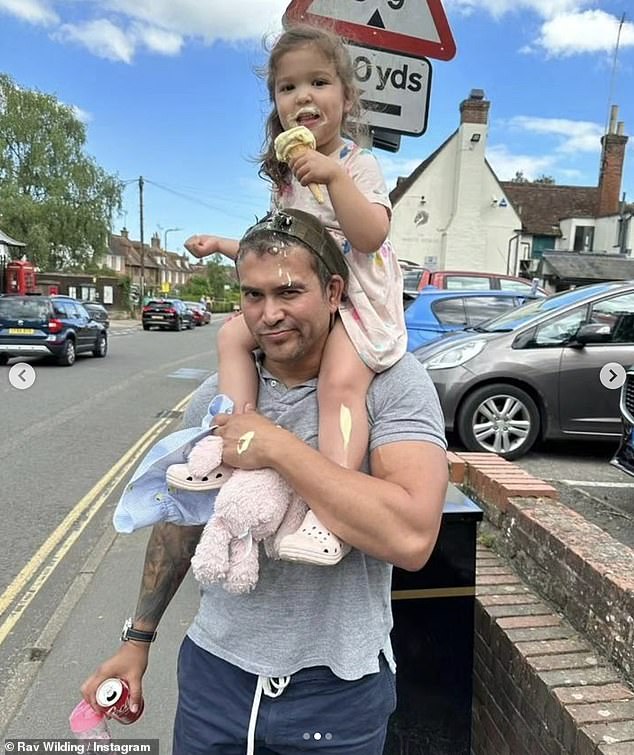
103 38
589 31
210 20
33 11
82 115
115 29
575 136
158 40
505 164
499 8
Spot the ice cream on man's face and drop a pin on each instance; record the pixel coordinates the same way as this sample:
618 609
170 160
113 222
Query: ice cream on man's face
292 143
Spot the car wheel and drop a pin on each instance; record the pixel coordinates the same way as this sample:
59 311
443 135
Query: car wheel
68 355
4 358
191 325
177 325
501 419
101 347
146 327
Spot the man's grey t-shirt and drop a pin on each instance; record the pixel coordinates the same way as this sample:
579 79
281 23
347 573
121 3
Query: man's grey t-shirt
301 615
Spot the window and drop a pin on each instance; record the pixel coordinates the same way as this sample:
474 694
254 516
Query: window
584 238
560 330
23 309
72 292
450 311
411 279
464 282
481 308
62 309
522 287
617 314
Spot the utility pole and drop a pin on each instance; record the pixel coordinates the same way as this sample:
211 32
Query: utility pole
142 293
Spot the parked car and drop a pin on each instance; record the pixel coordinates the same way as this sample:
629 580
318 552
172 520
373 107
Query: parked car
48 325
97 311
416 278
199 311
167 313
624 457
434 312
534 372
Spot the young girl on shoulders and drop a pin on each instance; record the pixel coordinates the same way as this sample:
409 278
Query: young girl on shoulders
311 83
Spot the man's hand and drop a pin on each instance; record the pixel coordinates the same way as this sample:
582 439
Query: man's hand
129 663
248 439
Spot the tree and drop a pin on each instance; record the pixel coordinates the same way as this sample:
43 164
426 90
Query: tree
53 196
519 178
212 282
544 179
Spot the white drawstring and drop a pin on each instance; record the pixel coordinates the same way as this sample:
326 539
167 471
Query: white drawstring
272 686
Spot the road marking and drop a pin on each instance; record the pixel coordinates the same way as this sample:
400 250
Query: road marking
189 373
88 506
595 484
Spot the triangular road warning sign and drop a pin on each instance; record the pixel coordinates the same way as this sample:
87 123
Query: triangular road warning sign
412 27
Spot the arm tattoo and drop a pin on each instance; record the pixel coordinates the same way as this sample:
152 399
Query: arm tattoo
167 558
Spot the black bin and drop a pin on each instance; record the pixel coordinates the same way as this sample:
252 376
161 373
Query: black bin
433 640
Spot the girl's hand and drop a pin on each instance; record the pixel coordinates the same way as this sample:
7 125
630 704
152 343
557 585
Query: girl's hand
202 245
314 168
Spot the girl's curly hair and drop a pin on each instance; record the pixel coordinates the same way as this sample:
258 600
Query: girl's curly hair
332 47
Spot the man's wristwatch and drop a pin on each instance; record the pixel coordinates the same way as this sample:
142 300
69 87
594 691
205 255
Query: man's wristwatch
128 632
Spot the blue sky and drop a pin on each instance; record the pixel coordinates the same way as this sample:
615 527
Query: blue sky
167 90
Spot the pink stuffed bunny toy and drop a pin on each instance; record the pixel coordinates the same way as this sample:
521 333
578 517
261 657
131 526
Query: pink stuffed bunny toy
252 506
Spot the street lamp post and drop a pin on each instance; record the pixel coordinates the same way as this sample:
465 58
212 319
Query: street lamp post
168 230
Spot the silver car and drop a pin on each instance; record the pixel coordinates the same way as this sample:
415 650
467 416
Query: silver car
535 372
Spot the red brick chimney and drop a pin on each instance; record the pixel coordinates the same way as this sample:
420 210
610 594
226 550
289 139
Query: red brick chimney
611 171
475 109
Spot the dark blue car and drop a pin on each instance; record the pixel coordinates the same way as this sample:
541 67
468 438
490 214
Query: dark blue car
435 312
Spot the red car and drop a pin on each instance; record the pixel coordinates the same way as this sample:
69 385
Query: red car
199 312
416 278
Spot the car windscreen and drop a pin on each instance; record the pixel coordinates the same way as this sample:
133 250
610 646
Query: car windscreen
411 279
18 308
518 317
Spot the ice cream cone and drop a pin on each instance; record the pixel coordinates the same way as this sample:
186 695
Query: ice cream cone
315 189
293 143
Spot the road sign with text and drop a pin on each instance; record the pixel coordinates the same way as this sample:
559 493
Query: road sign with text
413 27
394 89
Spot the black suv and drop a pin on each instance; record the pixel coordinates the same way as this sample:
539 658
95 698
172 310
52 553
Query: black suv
167 313
45 325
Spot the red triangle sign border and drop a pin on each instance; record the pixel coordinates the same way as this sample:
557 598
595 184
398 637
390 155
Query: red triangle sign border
383 39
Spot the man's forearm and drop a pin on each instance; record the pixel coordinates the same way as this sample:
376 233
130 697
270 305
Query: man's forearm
387 516
167 560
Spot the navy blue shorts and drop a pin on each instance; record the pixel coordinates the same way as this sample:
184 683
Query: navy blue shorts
316 712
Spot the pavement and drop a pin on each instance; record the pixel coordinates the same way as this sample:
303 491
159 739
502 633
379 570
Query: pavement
86 631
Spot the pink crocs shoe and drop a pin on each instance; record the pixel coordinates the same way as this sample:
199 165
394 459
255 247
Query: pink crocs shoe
204 469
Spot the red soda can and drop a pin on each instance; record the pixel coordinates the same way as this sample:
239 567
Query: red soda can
113 695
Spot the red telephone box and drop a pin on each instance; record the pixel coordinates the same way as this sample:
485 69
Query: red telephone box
20 277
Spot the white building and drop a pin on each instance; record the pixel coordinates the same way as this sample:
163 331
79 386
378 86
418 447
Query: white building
452 212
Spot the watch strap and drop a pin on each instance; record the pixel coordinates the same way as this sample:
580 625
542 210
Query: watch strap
140 635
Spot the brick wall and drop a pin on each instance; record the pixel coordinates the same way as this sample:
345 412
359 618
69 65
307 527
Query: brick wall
554 644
